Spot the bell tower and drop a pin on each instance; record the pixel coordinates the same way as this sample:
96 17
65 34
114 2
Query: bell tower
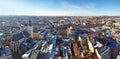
30 28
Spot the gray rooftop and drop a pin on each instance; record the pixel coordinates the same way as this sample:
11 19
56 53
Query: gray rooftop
20 35
17 37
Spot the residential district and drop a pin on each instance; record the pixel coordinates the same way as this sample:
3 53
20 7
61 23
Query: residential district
59 37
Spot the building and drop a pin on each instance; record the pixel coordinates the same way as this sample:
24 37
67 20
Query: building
75 51
69 31
34 54
30 28
17 39
96 55
5 53
114 50
105 53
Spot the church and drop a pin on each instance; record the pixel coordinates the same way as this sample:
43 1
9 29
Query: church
25 36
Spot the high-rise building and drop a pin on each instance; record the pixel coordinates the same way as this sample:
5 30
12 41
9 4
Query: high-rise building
30 28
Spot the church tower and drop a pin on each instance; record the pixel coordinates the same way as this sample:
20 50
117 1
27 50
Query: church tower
30 28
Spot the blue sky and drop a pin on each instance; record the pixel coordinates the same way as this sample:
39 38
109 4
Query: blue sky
60 7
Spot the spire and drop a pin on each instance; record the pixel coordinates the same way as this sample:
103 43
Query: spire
30 23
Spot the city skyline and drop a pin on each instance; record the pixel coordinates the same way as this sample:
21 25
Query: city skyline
60 7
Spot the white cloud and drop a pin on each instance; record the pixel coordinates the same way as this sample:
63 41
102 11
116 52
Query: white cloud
78 10
13 7
70 10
